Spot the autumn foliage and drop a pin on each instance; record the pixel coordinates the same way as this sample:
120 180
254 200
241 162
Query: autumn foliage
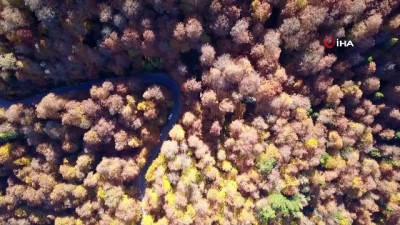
80 156
275 129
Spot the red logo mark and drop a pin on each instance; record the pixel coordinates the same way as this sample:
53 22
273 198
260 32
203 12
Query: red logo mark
329 42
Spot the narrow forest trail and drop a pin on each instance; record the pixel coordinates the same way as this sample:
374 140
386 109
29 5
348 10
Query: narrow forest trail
145 79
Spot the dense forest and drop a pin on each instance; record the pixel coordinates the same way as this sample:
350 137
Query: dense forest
275 128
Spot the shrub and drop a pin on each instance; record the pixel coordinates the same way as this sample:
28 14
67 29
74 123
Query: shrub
397 135
378 96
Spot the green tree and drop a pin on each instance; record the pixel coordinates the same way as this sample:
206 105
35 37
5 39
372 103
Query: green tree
280 207
7 136
265 166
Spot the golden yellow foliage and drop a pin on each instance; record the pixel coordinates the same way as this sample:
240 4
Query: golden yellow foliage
37 127
272 151
311 144
130 100
2 199
290 184
226 166
335 140
91 137
301 3
367 137
165 183
158 162
351 89
80 191
153 198
301 114
101 193
20 212
162 221
5 152
146 105
286 100
67 221
358 184
358 128
335 162
318 178
259 12
229 186
264 136
170 199
177 133
23 161
2 114
148 220
190 211
190 175
395 198
135 142
68 172
141 158
385 167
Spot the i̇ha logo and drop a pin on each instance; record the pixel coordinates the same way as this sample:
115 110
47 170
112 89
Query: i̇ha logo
330 42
